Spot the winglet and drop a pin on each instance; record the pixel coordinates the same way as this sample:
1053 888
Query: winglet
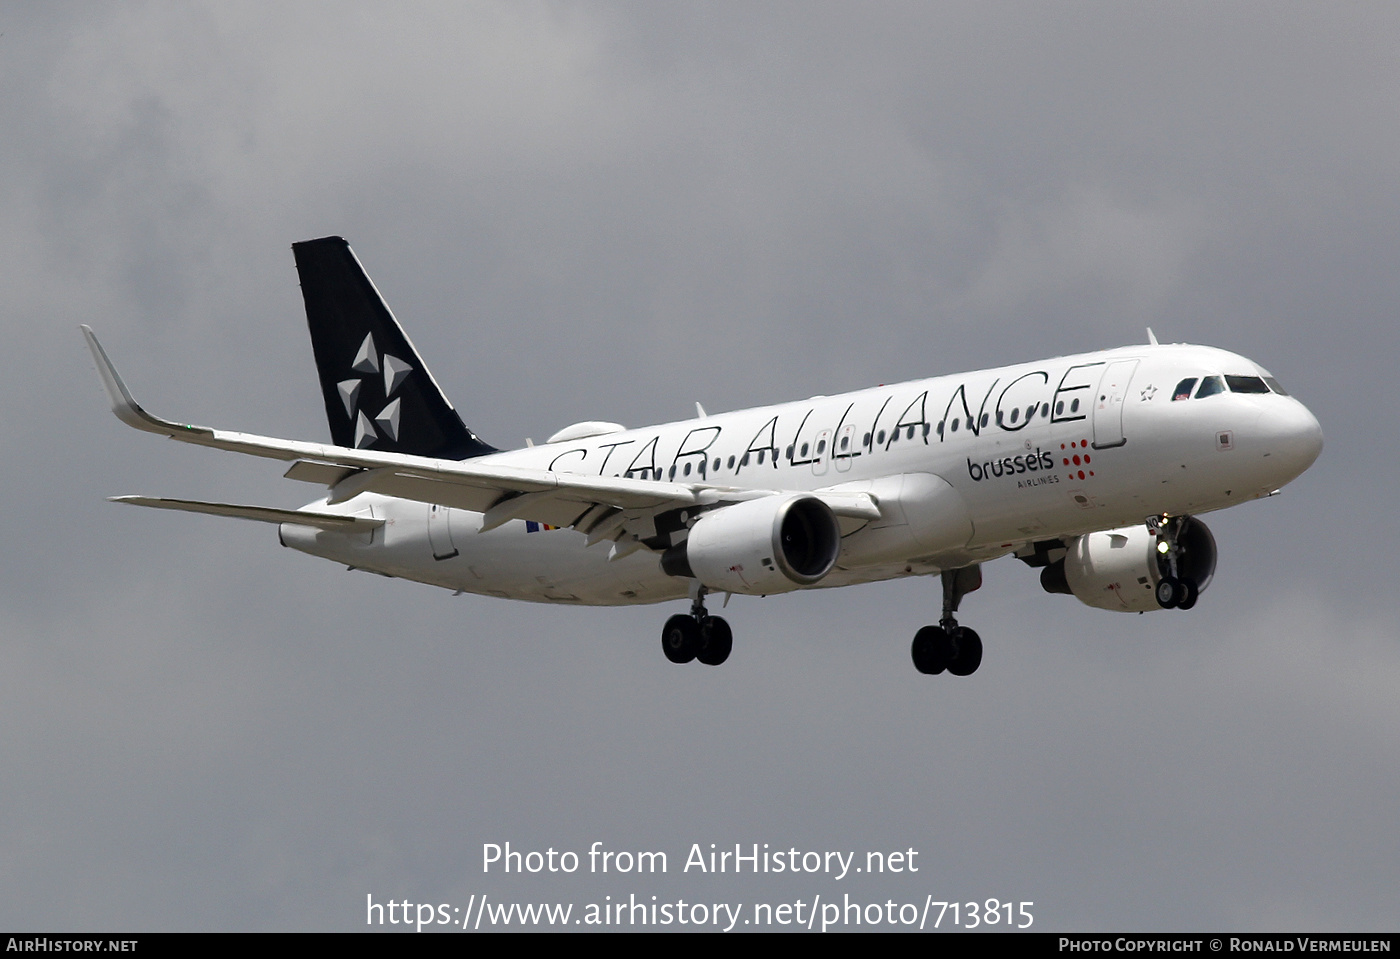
123 404
1152 338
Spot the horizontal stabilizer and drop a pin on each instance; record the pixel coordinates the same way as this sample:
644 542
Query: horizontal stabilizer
262 514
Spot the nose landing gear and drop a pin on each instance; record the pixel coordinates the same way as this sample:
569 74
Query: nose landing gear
697 635
1177 589
949 646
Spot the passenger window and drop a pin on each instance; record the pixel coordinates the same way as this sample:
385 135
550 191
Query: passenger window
1183 389
1210 386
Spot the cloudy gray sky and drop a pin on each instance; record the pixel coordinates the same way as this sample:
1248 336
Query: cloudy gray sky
610 211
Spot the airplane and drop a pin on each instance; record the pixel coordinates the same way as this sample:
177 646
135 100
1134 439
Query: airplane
1092 468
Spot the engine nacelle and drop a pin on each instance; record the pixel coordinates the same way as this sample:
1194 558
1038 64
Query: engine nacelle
1119 569
768 545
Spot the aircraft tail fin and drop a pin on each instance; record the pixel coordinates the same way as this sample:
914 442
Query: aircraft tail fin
378 392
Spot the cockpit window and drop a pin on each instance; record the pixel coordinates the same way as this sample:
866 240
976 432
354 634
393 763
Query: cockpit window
1183 389
1273 385
1210 386
1246 384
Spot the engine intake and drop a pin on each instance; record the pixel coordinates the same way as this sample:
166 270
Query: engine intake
769 545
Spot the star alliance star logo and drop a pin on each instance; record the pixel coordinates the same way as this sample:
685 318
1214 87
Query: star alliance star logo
1148 393
369 361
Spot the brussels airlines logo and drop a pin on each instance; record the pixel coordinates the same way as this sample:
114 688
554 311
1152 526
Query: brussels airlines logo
369 362
1011 465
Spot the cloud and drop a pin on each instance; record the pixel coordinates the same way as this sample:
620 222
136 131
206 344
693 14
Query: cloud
609 212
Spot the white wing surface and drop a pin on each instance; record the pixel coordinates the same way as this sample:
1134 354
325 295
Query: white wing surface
592 504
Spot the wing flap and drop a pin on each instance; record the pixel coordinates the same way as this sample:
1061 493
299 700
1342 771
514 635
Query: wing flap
322 474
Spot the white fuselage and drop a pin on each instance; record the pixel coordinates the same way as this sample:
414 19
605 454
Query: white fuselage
965 468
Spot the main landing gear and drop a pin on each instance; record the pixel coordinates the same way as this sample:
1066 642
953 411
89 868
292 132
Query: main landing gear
697 635
948 645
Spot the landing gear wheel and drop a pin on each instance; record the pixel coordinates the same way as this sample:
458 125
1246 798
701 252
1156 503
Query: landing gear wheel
931 650
716 640
680 640
1190 593
967 652
1170 592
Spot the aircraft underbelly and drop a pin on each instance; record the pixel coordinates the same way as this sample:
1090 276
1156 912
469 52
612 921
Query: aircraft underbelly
518 560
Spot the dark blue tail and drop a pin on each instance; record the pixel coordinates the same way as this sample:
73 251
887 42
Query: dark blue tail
379 394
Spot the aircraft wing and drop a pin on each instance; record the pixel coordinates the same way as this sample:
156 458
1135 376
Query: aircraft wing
602 506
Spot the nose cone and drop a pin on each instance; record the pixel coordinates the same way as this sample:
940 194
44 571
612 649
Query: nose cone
1293 436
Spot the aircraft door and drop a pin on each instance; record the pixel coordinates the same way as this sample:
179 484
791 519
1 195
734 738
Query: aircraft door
1108 404
845 446
440 532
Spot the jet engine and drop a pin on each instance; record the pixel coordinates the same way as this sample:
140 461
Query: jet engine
1130 569
768 545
